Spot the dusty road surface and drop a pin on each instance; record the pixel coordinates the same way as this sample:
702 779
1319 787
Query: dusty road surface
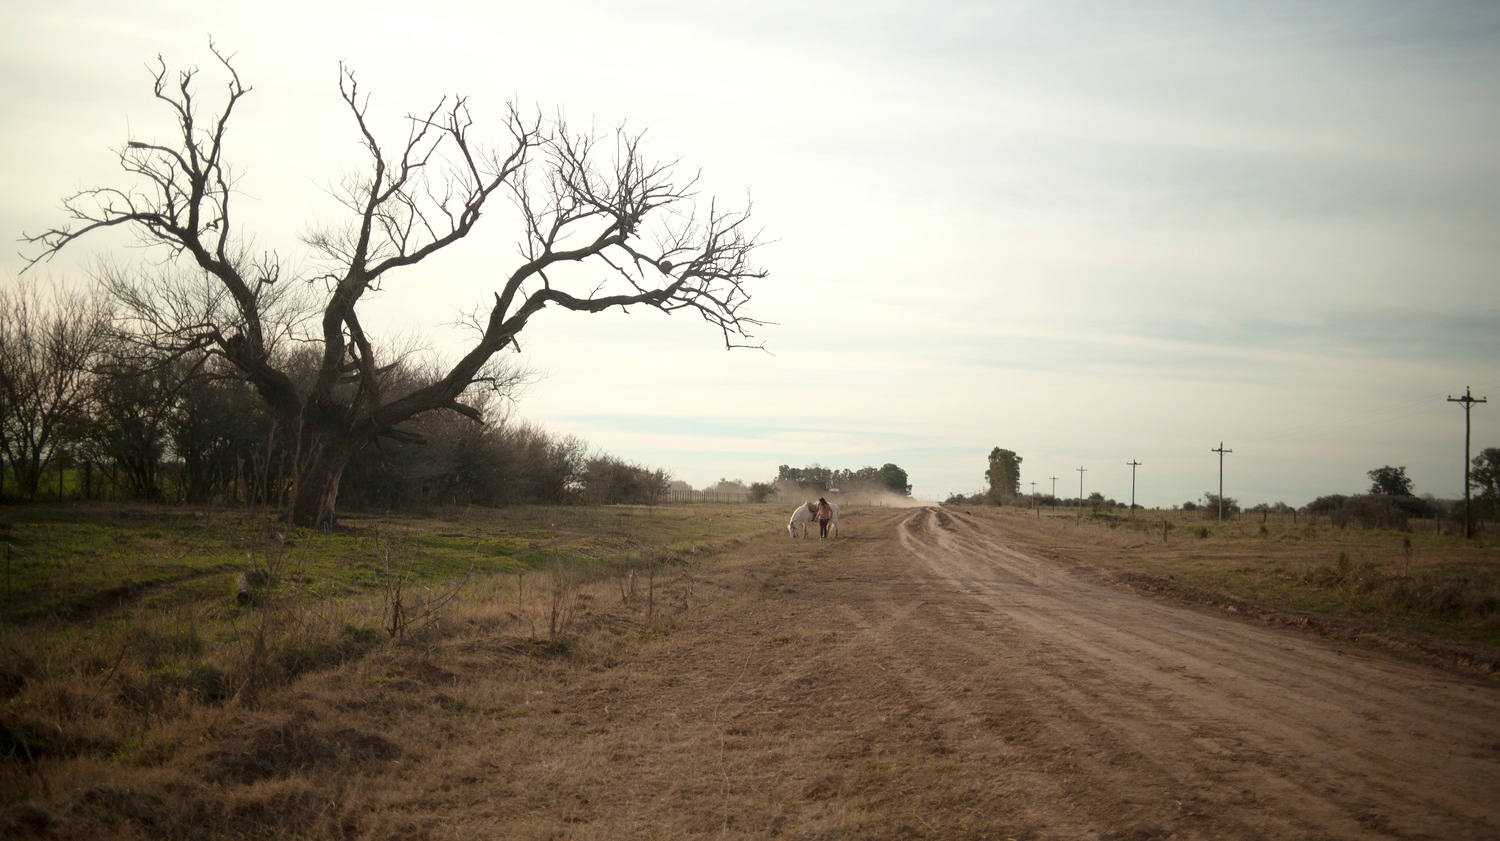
930 676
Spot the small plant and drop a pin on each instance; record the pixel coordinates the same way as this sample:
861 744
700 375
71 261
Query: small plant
401 614
269 621
625 578
563 598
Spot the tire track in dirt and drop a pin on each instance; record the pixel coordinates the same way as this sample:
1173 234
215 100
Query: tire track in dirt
1226 639
1069 744
1273 732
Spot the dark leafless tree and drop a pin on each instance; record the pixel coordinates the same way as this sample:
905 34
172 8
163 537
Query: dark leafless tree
583 200
49 346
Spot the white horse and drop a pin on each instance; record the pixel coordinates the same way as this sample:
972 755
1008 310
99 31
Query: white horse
806 515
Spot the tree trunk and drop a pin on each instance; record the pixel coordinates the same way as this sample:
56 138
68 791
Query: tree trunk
318 468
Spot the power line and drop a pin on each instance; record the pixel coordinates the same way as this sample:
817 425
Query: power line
1133 465
1468 400
1221 451
1080 493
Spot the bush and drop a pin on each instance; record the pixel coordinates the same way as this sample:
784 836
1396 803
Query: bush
1211 506
1326 504
1371 510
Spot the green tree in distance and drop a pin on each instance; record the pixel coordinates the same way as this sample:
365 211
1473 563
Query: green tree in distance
1003 475
1391 481
894 478
1484 477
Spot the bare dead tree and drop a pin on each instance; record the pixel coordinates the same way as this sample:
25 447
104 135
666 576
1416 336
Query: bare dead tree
49 346
584 201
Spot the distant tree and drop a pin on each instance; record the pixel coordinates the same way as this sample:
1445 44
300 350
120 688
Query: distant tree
1003 476
132 405
544 468
1372 510
894 479
1211 505
814 477
1326 504
818 479
226 439
49 347
729 486
1484 477
499 462
1414 506
762 491
600 227
1389 480
850 480
607 480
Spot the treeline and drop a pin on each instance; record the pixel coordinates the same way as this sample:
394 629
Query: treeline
888 478
798 483
87 410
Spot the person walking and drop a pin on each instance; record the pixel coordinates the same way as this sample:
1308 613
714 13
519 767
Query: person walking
825 513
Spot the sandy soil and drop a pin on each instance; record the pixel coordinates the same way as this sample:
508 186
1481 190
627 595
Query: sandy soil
928 676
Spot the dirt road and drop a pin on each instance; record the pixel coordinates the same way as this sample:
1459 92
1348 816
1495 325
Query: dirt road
929 676
1186 721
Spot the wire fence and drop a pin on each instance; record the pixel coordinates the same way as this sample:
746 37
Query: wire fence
677 496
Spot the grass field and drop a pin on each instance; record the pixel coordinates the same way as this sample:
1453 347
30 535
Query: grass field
140 645
122 623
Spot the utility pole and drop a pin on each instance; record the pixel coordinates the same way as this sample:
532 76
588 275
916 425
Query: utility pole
1080 494
1133 465
1034 506
1221 451
1468 400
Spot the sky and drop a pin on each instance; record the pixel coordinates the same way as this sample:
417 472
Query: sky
1093 233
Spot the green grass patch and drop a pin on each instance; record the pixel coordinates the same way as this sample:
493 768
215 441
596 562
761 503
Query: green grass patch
73 562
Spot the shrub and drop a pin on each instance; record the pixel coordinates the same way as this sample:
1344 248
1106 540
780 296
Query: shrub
1211 506
1371 510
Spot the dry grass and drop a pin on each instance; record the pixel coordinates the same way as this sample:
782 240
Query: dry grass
178 711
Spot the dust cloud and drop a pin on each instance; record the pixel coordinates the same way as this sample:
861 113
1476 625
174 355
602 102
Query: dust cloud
792 493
